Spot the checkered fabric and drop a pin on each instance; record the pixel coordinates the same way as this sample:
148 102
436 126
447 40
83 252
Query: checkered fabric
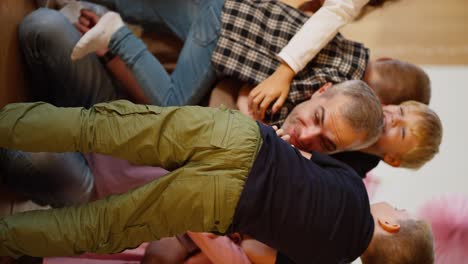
254 32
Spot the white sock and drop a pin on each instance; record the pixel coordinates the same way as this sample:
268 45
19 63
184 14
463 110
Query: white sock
99 36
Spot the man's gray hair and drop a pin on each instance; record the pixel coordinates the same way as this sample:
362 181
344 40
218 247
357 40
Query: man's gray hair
363 110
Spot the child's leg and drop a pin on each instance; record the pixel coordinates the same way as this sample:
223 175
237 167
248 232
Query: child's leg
198 24
47 39
55 179
243 99
225 93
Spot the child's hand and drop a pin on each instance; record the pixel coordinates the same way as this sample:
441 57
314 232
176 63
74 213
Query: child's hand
280 133
274 88
87 20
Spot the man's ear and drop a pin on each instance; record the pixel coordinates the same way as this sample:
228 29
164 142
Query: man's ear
389 226
392 160
324 88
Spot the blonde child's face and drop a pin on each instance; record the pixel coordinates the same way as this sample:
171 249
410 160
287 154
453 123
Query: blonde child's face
397 138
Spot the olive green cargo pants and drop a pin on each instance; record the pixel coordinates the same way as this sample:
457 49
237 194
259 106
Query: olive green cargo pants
209 151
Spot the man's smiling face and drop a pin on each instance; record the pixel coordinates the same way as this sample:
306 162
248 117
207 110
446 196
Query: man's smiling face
317 124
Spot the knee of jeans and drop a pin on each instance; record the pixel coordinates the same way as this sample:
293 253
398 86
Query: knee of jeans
67 174
48 178
43 26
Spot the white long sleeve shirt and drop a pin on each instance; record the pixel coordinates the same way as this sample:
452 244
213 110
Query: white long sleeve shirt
318 31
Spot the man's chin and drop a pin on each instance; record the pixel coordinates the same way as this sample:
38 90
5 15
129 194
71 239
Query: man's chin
297 144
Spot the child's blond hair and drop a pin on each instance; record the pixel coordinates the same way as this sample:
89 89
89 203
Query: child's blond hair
428 131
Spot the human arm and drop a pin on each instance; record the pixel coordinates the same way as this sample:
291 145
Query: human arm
301 49
164 251
225 93
257 252
318 31
121 73
114 64
275 87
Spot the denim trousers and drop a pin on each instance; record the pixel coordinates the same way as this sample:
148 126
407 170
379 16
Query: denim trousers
47 39
196 22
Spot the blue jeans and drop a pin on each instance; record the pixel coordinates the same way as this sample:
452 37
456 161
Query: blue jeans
47 39
196 22
57 179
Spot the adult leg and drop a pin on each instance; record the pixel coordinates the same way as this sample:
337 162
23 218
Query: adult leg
211 151
195 22
57 179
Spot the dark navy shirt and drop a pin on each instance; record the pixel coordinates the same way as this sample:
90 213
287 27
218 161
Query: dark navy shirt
313 211
361 162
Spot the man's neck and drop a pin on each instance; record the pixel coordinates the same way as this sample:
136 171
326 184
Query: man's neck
374 150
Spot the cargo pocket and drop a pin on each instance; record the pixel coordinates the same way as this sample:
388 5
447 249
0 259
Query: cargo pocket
222 129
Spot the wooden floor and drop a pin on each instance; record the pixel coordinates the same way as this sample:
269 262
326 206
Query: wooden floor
420 31
12 78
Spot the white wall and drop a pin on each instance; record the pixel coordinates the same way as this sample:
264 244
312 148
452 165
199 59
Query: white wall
448 171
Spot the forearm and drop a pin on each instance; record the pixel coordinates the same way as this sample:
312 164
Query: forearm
124 75
318 31
285 72
257 252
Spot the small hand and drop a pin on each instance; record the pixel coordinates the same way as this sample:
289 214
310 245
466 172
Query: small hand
275 87
280 133
87 20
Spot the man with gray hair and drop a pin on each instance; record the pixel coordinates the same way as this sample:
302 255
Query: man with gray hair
314 125
229 174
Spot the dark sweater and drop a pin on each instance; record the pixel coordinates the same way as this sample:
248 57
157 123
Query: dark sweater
313 211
